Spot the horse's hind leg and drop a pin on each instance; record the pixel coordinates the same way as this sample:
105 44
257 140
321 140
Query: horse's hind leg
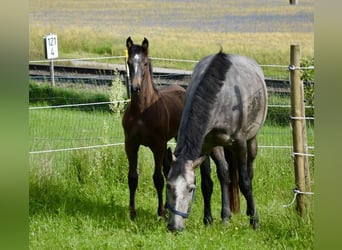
207 190
246 155
132 156
252 150
218 155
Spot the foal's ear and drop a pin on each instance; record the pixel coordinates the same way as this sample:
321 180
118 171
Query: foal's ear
144 44
198 161
129 42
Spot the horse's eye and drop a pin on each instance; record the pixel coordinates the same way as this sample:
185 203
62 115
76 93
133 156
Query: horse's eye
191 188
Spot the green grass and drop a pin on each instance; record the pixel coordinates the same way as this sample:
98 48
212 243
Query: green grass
92 211
79 199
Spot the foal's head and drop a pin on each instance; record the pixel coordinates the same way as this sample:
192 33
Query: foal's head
180 191
138 63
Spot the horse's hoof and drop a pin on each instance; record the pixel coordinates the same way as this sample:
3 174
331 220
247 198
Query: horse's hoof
254 221
226 220
208 220
226 216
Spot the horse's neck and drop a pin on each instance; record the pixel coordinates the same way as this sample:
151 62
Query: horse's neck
191 136
148 94
190 147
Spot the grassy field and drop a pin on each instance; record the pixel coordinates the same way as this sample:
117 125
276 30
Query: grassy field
79 199
86 207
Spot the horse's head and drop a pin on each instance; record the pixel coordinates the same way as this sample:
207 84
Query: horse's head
138 63
180 191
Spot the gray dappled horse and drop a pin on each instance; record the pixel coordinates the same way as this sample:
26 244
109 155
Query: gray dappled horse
226 104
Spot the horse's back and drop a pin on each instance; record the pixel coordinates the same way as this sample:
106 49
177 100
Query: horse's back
242 100
173 95
245 79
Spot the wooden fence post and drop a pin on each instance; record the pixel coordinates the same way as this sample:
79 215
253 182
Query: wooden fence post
298 127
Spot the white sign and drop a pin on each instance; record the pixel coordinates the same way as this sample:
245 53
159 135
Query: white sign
51 46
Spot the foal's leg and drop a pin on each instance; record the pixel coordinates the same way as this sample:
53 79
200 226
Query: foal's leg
218 156
158 178
132 156
207 190
245 160
167 161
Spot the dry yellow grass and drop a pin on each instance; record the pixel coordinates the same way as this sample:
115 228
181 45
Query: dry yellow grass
182 30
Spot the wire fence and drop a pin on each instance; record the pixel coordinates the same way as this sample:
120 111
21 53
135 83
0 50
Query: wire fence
84 126
67 127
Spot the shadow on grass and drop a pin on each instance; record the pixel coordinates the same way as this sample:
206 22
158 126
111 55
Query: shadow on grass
55 200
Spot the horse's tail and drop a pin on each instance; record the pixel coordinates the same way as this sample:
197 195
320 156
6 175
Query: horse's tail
234 198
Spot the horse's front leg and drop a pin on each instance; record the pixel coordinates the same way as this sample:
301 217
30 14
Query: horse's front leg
132 156
217 154
207 190
158 178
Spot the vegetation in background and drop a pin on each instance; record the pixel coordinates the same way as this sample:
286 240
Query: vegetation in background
45 94
180 31
265 48
117 92
308 77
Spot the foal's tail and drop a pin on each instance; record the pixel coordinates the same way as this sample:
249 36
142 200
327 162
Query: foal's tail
234 198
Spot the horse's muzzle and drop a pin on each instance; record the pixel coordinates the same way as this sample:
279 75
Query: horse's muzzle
135 89
174 229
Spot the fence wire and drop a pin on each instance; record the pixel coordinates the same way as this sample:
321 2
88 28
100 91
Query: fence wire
74 127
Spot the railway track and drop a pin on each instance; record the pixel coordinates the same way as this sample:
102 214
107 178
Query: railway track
105 76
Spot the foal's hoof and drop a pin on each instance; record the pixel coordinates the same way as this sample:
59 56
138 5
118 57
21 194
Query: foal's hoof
133 214
162 213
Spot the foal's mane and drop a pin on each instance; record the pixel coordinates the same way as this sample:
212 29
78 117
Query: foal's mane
200 101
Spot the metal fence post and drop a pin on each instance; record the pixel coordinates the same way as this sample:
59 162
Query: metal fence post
52 74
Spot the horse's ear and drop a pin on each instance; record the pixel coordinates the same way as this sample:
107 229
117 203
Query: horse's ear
145 44
129 42
198 161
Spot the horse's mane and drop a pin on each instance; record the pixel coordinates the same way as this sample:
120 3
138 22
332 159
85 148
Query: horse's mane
200 101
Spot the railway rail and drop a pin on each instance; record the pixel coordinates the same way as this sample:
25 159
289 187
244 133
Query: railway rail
105 76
